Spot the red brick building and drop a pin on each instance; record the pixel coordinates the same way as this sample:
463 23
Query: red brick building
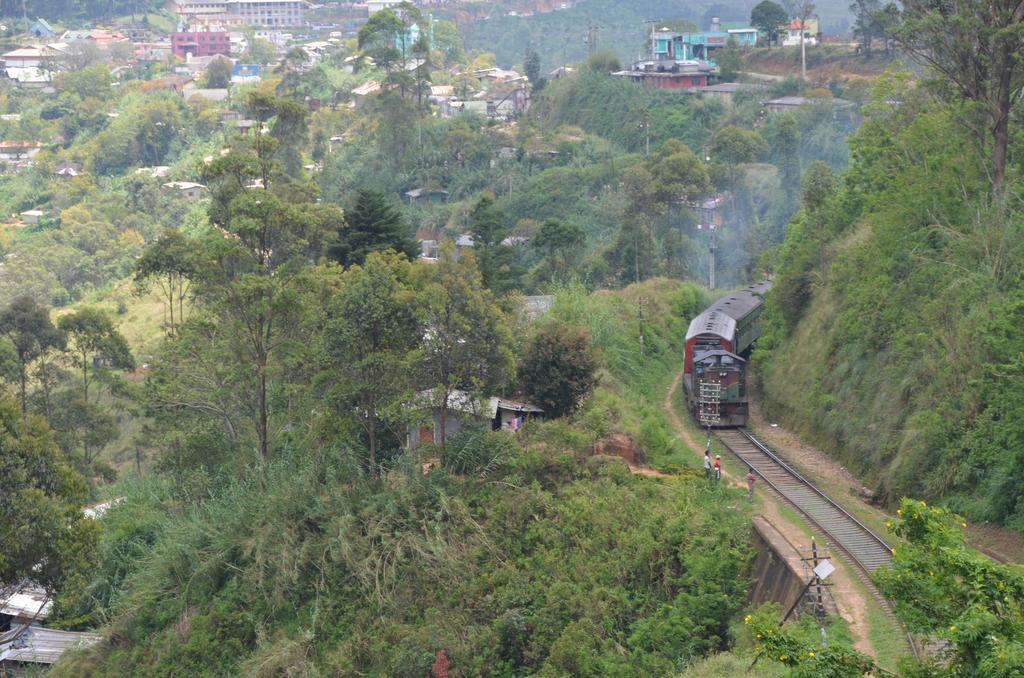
200 43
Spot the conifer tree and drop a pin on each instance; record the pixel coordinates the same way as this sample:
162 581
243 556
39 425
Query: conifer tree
372 225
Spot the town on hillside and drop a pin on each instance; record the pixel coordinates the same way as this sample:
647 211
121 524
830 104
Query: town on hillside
510 337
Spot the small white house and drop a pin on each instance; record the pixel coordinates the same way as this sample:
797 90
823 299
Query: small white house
32 216
810 33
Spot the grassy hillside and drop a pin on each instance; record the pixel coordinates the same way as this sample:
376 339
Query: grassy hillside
895 333
536 559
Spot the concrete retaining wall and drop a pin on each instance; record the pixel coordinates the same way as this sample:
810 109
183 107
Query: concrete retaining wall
779 574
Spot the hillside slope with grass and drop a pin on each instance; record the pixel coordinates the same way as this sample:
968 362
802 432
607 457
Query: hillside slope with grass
894 335
514 555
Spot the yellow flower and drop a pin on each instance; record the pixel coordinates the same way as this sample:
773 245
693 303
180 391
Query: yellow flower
899 512
810 654
746 620
894 551
783 658
759 635
963 524
952 629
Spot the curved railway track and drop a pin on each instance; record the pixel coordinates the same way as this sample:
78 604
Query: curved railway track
843 531
864 547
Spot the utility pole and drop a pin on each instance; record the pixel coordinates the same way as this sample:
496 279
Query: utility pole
713 250
653 23
591 37
819 604
645 125
640 314
803 49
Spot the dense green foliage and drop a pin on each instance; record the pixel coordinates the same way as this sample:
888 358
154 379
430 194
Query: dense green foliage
45 536
953 593
515 556
547 567
895 334
559 369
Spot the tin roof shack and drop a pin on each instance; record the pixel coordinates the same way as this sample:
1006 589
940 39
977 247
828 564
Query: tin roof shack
36 645
32 216
19 150
468 411
727 90
841 108
26 604
434 196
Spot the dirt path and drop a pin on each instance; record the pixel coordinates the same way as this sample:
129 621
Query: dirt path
851 600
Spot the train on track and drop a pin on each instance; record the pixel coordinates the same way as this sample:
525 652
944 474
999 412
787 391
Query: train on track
717 347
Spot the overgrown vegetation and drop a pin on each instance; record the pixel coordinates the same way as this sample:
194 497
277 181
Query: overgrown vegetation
515 556
899 291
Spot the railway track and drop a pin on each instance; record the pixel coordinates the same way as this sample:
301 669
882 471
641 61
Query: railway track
867 550
843 531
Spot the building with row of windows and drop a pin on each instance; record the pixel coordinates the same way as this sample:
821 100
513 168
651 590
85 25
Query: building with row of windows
249 12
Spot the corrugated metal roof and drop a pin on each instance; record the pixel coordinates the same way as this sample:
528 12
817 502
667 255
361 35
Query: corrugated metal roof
27 601
712 322
720 318
43 646
739 304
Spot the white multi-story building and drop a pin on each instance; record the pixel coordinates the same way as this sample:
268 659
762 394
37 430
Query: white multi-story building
251 12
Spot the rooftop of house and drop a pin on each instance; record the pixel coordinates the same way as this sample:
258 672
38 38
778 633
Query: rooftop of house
28 601
810 25
796 101
183 185
467 403
733 87
368 87
34 644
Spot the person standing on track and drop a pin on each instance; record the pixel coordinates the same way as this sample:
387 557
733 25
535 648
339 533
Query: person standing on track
751 479
718 468
707 465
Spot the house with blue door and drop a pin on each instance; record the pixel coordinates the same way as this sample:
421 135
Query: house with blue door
668 45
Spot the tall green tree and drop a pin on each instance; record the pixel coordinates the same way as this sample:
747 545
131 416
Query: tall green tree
559 369
46 537
495 257
974 46
94 345
769 18
865 25
372 224
389 38
218 73
29 328
369 345
467 340
677 174
267 230
169 263
561 244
